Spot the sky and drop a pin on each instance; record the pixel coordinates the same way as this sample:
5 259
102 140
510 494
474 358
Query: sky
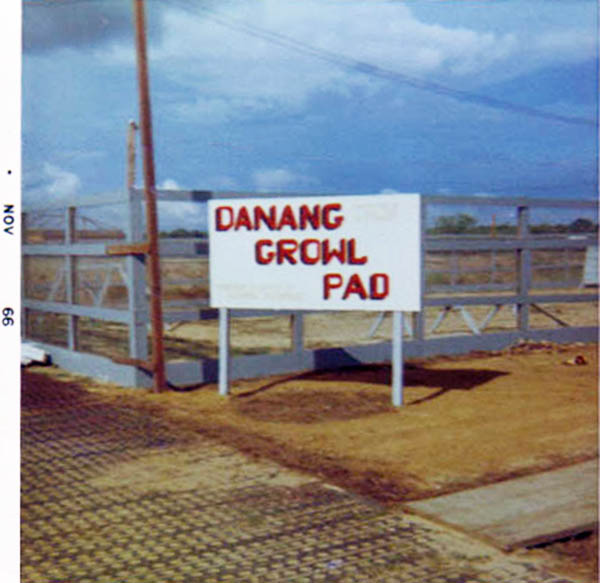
494 98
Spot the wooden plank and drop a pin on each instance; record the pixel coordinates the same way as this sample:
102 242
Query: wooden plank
523 511
137 362
127 249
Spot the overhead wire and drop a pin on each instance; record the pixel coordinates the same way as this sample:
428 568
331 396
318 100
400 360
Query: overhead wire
348 62
351 63
373 70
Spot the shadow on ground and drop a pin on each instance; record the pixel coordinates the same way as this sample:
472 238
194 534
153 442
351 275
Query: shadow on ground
350 393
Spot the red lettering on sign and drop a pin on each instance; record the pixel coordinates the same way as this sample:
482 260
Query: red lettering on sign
304 217
379 286
332 253
305 256
243 220
263 257
224 223
307 216
286 248
355 286
288 219
328 222
352 258
269 220
331 281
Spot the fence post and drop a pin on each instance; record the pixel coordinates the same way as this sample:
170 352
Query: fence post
523 270
297 324
136 278
71 276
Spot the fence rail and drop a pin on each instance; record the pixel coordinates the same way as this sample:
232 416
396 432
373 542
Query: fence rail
468 287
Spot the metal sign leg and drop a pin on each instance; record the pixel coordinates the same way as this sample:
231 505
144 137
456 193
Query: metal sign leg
397 360
224 361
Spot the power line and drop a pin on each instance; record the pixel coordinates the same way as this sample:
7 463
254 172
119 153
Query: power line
360 66
373 70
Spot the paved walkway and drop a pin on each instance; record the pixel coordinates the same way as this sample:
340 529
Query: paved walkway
111 495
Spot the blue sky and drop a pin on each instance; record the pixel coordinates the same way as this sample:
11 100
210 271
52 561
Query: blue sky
329 96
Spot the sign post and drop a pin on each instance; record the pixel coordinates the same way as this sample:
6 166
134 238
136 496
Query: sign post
354 252
224 356
397 360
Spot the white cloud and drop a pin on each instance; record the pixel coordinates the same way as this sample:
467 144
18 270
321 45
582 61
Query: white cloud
228 72
274 179
175 215
218 109
184 215
229 68
59 183
566 45
168 184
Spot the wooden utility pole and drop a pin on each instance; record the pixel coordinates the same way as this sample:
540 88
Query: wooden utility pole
153 264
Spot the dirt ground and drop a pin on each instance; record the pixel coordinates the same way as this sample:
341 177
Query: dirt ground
467 421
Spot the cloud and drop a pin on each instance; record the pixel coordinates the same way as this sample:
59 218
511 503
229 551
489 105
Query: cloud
49 181
181 215
61 182
274 179
218 109
271 58
274 56
169 184
74 24
566 45
228 64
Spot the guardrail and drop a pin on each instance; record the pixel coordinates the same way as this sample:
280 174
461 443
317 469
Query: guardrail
500 290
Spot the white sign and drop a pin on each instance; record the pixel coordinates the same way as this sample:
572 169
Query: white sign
316 253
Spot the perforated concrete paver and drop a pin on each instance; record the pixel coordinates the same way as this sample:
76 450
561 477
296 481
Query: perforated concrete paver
111 495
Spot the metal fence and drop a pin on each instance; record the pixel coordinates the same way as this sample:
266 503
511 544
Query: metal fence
83 295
